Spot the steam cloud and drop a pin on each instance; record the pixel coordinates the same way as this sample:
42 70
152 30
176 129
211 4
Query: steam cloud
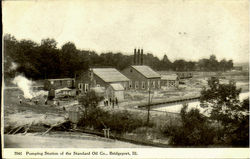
25 86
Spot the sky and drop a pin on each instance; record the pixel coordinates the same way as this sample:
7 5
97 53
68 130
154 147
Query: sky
181 29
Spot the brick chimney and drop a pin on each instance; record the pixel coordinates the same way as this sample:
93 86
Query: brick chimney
141 56
135 57
138 57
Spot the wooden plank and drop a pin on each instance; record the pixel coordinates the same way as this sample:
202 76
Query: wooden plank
52 127
18 129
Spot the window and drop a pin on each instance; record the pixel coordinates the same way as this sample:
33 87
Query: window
131 70
130 84
148 84
159 84
80 86
136 84
61 83
153 83
125 85
86 87
143 85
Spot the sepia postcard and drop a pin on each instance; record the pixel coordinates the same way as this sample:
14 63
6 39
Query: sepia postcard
125 79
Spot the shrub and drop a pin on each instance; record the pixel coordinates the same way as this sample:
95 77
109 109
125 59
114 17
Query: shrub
118 122
193 131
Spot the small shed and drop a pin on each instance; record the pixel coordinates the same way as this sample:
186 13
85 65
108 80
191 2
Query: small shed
66 91
115 90
170 81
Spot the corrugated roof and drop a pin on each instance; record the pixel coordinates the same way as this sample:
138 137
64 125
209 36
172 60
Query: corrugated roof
146 71
117 86
110 74
169 77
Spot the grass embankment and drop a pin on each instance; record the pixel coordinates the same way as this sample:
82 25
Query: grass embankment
130 126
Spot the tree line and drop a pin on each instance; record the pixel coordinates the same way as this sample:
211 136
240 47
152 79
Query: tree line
46 60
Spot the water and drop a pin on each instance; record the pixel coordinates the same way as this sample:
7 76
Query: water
175 108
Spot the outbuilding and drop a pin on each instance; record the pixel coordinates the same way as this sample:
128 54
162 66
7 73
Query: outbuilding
169 81
115 91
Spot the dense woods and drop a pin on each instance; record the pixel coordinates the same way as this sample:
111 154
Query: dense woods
46 60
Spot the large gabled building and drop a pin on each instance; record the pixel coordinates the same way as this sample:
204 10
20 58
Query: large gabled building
99 77
142 77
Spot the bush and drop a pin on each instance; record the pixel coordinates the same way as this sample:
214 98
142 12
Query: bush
194 130
118 122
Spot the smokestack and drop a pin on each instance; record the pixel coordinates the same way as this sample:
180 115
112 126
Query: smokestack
141 56
135 56
138 57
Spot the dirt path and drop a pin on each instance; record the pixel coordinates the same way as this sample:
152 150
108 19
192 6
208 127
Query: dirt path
64 141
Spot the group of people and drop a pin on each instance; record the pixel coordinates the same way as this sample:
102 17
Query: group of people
111 101
27 100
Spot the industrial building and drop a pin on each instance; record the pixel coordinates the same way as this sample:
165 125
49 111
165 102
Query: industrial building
141 77
59 83
99 77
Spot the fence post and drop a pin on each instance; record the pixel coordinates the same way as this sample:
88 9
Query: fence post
104 132
108 132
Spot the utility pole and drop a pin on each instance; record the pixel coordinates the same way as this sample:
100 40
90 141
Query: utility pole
148 105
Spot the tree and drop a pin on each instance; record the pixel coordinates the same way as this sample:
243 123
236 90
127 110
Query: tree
223 102
10 49
49 63
195 129
166 64
89 101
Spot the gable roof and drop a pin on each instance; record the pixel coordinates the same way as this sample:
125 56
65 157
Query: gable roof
117 86
109 74
146 71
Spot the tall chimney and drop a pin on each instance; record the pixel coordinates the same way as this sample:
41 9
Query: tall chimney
141 56
138 57
135 56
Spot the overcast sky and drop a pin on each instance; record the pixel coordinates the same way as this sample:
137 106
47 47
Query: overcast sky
188 29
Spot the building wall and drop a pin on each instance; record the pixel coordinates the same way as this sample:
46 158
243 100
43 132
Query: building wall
111 93
57 84
93 80
140 82
170 83
83 82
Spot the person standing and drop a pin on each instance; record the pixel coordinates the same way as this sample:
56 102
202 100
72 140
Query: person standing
113 103
116 101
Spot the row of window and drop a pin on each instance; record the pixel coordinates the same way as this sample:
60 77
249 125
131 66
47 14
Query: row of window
61 82
143 84
170 84
85 88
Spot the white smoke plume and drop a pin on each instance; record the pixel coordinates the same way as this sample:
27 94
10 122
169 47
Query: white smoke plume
25 85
